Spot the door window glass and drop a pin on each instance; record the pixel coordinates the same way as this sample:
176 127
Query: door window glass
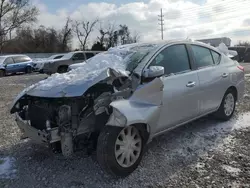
79 56
89 55
202 56
216 57
8 61
174 59
20 59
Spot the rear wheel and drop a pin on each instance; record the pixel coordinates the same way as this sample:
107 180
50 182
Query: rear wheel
2 73
62 69
227 107
28 70
119 150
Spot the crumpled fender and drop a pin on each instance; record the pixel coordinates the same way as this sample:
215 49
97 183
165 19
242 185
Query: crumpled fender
143 106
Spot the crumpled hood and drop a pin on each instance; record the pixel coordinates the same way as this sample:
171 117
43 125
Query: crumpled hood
76 82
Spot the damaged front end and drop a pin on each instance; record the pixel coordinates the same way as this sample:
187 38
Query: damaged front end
70 122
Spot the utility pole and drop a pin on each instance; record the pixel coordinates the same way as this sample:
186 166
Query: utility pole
161 19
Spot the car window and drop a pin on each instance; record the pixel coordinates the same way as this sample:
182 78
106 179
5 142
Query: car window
202 56
8 61
58 57
89 55
79 56
216 57
174 59
19 59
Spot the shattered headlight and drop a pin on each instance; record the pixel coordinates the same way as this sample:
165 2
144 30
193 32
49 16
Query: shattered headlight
119 118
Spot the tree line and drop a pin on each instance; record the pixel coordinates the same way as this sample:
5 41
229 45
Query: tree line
19 33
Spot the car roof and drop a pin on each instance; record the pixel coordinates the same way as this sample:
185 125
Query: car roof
14 55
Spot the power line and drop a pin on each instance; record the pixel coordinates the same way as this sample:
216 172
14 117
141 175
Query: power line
221 13
206 23
229 4
161 19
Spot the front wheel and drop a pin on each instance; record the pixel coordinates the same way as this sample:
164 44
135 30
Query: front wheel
119 150
2 73
227 107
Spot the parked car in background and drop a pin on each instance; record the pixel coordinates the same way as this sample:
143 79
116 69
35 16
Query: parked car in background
77 65
123 98
38 65
61 65
11 64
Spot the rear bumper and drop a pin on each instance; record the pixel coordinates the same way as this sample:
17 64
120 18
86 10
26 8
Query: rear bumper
36 135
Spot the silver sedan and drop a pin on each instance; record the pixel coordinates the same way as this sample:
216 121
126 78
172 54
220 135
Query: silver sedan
123 98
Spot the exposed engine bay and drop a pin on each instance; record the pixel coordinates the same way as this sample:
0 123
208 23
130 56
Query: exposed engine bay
76 120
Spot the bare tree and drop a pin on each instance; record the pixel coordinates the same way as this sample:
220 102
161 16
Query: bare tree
103 32
13 14
66 36
83 30
135 37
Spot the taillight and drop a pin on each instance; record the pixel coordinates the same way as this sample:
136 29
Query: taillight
240 67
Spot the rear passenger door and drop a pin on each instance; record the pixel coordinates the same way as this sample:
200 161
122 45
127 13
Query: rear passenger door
210 77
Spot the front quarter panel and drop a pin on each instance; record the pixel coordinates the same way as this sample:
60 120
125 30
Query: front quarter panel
143 106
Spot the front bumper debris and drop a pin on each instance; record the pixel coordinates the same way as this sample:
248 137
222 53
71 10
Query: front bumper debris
36 135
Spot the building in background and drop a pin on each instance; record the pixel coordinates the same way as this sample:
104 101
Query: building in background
216 41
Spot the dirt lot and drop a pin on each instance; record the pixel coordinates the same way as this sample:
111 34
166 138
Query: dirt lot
205 153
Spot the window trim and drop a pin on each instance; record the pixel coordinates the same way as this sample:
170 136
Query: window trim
195 64
190 61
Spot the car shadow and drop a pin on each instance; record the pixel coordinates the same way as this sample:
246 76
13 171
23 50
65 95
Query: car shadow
164 156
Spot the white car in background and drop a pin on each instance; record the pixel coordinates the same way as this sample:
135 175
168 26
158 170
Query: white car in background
38 65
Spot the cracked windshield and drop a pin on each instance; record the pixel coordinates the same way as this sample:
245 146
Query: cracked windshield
129 93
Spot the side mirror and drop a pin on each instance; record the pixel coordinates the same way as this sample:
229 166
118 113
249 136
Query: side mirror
153 71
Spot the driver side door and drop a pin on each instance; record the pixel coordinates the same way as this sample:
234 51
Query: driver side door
181 87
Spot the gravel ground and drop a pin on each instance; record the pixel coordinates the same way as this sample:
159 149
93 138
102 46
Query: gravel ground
205 153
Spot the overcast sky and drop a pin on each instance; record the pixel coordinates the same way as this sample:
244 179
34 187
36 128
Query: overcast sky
183 18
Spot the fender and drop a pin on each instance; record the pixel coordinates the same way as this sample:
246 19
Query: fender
143 106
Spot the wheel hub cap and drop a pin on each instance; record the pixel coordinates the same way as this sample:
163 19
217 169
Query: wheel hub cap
229 104
128 146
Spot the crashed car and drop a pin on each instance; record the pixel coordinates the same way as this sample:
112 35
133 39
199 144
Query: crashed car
121 99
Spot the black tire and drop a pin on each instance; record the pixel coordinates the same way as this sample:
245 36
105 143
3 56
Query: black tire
2 73
28 70
62 69
106 152
220 113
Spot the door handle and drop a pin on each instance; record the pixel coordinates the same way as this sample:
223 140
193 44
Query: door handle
224 75
190 84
